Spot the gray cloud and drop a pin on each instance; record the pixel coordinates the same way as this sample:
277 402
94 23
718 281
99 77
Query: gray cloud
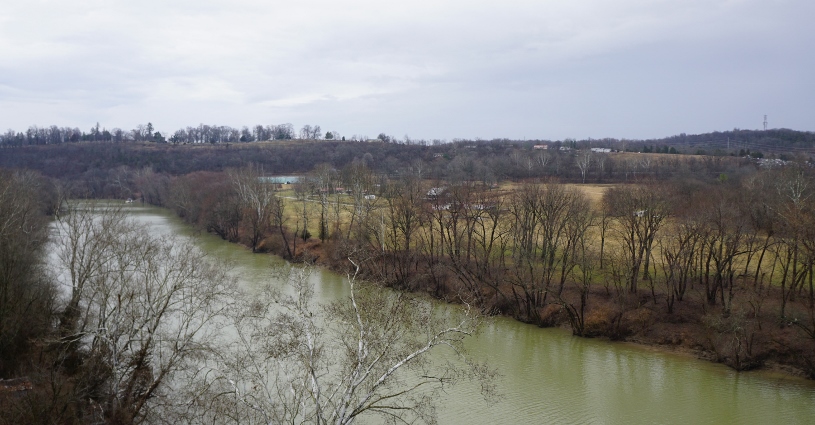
534 69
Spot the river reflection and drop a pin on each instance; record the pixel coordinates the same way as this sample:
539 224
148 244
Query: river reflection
551 377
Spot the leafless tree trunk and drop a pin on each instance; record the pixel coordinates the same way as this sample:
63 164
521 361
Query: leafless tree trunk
639 212
363 357
26 296
583 160
138 314
258 199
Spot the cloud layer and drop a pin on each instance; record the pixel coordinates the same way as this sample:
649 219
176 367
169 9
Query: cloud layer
430 69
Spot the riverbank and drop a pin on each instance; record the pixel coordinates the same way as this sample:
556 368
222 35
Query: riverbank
750 337
548 376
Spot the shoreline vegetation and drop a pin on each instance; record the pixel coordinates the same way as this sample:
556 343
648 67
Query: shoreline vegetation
314 252
720 270
710 254
103 320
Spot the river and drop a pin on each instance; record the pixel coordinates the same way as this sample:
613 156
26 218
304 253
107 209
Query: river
549 376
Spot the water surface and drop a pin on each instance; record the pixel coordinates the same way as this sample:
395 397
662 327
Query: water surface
552 377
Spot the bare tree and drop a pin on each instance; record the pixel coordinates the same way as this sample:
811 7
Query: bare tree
305 132
295 362
25 295
543 158
154 187
548 222
311 133
639 212
258 199
583 160
794 199
404 219
600 160
139 312
722 245
678 254
359 179
322 181
584 258
279 219
302 189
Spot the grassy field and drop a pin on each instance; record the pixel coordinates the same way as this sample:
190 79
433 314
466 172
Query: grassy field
340 207
594 192
294 209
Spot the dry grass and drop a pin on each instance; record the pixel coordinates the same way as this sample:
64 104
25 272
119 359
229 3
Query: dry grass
594 192
294 211
636 156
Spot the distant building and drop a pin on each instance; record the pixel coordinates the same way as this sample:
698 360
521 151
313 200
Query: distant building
436 191
544 147
770 163
601 150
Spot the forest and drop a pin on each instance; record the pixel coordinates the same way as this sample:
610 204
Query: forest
95 167
712 255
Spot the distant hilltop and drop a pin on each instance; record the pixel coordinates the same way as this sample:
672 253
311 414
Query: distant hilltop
780 140
736 142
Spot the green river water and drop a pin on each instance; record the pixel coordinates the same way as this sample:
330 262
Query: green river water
549 376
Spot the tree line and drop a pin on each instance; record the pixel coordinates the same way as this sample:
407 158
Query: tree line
203 133
726 263
101 167
737 142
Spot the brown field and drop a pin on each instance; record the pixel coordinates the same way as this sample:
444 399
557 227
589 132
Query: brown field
675 156
594 192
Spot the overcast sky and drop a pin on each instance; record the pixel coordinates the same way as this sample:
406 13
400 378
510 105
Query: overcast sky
547 69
